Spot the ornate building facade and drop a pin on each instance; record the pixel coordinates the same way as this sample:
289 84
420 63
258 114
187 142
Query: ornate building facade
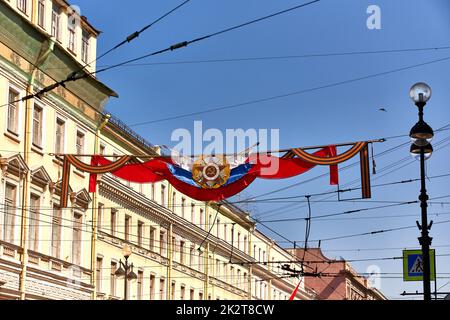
341 281
181 248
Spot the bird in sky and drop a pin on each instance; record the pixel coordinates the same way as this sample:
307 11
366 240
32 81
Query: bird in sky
382 109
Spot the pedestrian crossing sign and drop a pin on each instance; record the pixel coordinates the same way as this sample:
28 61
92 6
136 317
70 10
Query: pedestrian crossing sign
413 265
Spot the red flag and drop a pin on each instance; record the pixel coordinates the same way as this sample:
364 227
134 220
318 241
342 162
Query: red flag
93 177
295 291
334 173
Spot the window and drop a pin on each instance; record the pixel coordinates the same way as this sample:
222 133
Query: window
238 280
33 225
72 37
192 213
182 291
174 248
80 142
163 195
202 218
152 238
127 227
13 112
239 241
113 221
56 21
191 294
100 215
153 192
59 139
56 232
140 287
102 149
191 256
99 274
183 207
245 244
225 271
85 46
218 228
217 268
76 238
200 296
174 197
225 232
201 261
254 251
245 282
140 232
41 13
112 284
22 5
10 213
37 126
232 274
162 289
182 252
162 242
152 287
172 290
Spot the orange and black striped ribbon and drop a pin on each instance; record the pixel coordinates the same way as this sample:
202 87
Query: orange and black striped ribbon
357 147
71 159
65 183
365 173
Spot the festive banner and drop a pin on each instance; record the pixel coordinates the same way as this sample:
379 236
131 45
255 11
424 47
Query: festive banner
215 178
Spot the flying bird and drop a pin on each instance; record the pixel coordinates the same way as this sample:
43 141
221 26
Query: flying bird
382 109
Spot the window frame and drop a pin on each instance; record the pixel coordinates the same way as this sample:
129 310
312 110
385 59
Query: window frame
8 235
39 144
55 26
62 147
41 13
18 105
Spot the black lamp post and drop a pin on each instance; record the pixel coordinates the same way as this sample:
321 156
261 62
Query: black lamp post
126 270
421 149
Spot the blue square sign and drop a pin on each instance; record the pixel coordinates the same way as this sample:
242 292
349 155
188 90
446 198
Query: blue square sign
413 265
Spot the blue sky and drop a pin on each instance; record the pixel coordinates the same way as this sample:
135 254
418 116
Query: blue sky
347 112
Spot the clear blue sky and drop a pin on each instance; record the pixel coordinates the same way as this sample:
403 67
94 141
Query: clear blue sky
347 112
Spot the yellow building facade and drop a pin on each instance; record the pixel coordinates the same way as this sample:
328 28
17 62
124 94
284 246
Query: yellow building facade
182 249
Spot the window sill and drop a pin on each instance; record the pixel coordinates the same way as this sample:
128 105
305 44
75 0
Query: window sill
37 149
79 173
12 136
72 52
57 161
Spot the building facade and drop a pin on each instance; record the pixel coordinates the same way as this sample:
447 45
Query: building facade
340 280
181 248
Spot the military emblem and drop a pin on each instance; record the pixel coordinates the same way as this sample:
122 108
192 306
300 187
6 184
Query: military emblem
211 172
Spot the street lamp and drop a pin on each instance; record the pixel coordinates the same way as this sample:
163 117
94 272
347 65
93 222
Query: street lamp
421 136
126 270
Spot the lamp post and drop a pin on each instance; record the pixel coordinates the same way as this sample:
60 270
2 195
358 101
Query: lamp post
126 270
421 135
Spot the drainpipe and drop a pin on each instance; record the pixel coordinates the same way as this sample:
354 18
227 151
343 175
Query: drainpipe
206 257
170 266
46 49
270 266
250 270
94 235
